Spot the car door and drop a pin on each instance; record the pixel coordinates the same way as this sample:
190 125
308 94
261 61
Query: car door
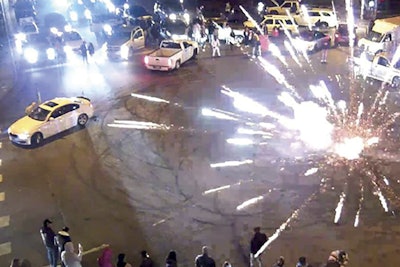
187 51
269 24
55 124
381 69
70 115
137 39
314 17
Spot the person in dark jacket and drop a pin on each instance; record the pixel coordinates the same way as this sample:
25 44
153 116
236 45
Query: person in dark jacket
84 52
60 239
280 262
256 243
146 260
48 235
337 258
121 261
171 260
204 260
211 29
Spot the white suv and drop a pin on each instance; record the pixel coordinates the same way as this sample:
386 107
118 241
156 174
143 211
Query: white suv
278 21
318 17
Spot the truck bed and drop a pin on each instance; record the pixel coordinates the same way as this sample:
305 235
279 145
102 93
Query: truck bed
164 52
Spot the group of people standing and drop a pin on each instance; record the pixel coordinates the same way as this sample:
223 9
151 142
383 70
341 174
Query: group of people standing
337 258
86 49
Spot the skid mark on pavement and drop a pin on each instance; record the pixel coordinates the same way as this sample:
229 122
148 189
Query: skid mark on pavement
5 248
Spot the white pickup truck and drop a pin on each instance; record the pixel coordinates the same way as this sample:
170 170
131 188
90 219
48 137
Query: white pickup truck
377 67
292 6
171 55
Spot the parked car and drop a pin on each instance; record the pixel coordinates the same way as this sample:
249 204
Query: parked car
342 35
50 118
277 21
171 55
312 41
38 49
317 17
72 41
123 41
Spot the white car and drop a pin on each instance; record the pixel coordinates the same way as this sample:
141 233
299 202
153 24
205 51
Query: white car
72 41
50 118
317 17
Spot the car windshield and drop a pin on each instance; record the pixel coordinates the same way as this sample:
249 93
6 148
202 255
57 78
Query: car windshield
117 35
374 36
171 45
72 36
39 114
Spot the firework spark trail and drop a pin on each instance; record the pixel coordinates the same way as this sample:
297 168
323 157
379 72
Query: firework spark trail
306 17
150 98
311 171
276 52
233 163
379 100
377 190
247 131
322 92
285 224
360 204
240 141
250 18
140 125
359 113
339 207
292 53
224 187
249 202
219 114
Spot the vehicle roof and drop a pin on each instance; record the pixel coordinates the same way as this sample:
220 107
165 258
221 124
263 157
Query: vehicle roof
276 16
385 25
58 101
324 9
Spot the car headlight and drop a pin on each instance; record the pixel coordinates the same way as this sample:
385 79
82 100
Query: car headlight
172 16
31 55
124 52
23 136
88 14
107 29
73 16
126 6
51 53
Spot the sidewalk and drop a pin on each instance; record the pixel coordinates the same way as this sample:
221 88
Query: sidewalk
6 73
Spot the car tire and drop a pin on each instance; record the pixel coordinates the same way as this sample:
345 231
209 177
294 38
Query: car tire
177 64
82 120
36 139
396 82
195 52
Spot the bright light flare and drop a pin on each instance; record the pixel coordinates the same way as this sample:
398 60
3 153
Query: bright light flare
306 16
250 18
139 125
252 132
244 103
276 52
350 148
249 202
240 141
222 115
311 171
339 207
233 163
150 98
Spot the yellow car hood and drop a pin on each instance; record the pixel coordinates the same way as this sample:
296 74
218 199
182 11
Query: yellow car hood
25 125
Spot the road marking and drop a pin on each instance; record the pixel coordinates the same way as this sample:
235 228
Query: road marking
5 248
0 162
1 178
2 196
4 221
1 144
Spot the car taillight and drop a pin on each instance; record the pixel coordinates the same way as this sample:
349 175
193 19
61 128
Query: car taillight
169 62
146 60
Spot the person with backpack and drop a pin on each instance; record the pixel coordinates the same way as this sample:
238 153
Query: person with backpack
171 260
256 243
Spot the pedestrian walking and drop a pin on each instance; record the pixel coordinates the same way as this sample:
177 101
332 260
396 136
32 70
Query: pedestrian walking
105 259
280 262
91 49
171 260
302 262
324 52
256 44
48 235
69 257
196 32
215 44
60 240
204 260
146 260
246 36
84 52
121 261
210 29
256 243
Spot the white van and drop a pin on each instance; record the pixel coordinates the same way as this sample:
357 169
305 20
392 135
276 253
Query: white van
384 36
278 21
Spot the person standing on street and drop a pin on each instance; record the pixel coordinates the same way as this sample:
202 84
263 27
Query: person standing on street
215 44
280 262
91 49
146 260
256 243
121 261
324 52
60 239
48 235
69 257
171 260
105 259
84 52
204 260
302 262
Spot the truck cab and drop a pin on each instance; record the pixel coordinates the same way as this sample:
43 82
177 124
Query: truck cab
291 6
384 36
123 41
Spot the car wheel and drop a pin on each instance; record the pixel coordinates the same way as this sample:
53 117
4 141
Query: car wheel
82 120
396 82
177 64
195 52
36 139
